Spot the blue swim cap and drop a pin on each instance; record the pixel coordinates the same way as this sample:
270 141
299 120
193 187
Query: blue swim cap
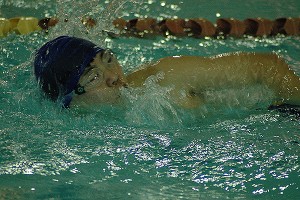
59 64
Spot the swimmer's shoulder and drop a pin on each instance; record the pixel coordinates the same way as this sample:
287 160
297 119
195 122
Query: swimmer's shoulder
231 56
180 61
138 77
250 58
249 55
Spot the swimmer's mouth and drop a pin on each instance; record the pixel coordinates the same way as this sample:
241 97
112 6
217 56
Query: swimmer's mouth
120 82
124 84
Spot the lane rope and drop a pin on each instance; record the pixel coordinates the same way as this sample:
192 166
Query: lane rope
149 27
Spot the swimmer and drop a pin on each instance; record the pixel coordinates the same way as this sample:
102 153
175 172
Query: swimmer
75 72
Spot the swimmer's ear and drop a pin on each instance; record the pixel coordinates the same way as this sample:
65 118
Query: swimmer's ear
107 56
79 89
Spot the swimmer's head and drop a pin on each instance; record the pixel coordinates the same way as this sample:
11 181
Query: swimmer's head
73 69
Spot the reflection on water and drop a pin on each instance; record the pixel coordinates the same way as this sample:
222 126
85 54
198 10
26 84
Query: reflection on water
245 156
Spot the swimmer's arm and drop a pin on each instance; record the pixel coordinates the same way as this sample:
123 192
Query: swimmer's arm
235 70
227 70
277 75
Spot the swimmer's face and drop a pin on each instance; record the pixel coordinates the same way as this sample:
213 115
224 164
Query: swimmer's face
101 80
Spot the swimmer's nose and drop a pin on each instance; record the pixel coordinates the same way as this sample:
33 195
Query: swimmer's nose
114 80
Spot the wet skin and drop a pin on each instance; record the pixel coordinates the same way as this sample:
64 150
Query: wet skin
190 76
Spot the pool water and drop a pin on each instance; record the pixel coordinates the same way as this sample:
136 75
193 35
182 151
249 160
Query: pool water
234 149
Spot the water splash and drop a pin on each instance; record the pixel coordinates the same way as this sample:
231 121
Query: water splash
151 104
114 9
71 13
246 97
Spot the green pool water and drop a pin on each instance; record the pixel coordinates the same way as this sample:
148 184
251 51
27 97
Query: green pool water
152 151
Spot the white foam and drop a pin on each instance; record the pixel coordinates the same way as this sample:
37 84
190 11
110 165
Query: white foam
151 104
